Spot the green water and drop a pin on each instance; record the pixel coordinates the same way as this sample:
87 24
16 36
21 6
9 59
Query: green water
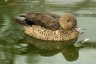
44 52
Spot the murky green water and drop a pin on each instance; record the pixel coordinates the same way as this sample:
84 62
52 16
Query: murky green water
44 52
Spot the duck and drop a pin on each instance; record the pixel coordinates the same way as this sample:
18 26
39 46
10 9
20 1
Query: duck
49 26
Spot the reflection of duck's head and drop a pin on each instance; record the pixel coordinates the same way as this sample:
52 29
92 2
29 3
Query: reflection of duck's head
68 21
70 53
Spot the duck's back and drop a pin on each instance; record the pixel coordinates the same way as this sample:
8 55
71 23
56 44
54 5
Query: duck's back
46 20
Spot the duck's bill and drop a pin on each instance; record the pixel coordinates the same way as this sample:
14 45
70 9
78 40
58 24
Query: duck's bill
20 20
79 30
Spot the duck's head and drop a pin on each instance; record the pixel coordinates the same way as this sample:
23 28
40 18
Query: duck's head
68 22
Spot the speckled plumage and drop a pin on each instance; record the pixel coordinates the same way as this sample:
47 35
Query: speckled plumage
47 34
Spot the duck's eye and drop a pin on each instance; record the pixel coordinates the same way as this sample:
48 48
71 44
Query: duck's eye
68 20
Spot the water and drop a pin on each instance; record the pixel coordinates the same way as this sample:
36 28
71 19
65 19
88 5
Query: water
44 52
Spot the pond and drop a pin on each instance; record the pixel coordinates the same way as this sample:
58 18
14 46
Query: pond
13 47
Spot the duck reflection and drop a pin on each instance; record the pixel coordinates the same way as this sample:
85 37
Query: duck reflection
43 52
51 48
70 53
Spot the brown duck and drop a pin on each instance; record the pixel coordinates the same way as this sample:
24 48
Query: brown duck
47 26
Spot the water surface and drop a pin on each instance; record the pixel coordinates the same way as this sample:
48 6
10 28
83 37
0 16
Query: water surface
44 52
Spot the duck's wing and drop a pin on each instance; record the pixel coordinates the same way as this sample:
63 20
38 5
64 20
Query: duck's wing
53 15
46 20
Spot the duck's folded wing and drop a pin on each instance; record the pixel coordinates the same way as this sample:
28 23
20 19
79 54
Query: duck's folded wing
53 15
46 20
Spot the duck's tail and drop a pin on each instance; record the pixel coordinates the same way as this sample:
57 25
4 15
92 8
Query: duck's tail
21 19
